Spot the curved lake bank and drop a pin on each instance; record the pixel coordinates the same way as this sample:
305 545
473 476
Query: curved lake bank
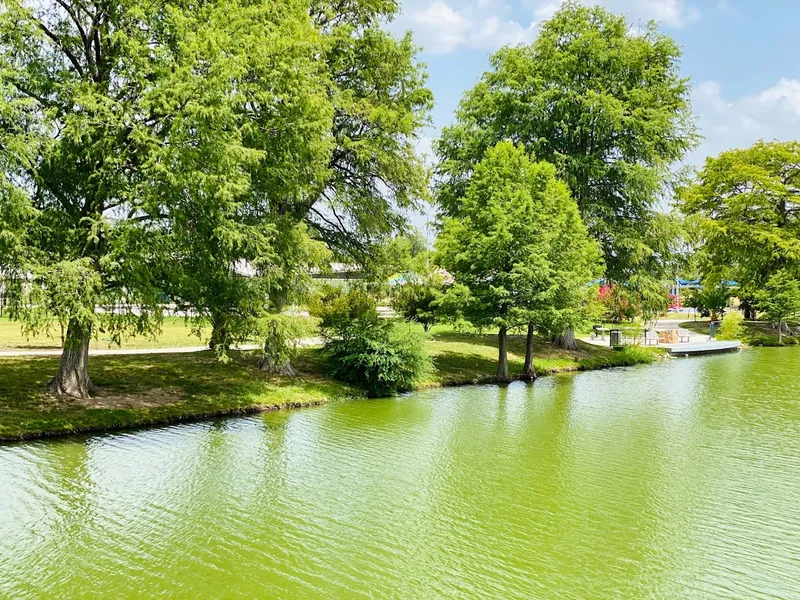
149 390
678 479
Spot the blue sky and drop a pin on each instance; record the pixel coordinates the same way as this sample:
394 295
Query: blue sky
742 57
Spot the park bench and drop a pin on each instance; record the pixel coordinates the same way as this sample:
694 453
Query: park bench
598 331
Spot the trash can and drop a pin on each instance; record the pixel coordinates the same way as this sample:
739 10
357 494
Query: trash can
712 329
615 337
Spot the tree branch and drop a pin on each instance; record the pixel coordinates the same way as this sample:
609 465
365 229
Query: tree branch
58 41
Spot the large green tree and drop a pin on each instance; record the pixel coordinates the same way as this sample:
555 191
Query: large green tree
254 255
381 103
128 133
505 247
355 198
744 208
606 106
779 299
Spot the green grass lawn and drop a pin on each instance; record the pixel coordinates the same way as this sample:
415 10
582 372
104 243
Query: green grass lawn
150 389
175 333
153 389
756 333
468 357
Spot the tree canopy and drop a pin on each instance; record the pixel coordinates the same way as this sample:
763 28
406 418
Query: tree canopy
745 210
377 88
779 299
347 193
606 106
508 245
134 138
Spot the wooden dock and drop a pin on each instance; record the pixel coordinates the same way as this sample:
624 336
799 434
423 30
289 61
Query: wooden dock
700 348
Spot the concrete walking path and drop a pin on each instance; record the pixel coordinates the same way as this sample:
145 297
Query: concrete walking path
305 342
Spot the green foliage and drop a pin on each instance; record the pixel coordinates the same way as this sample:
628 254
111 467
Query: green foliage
780 299
418 301
142 143
651 296
506 247
383 358
606 106
711 300
731 327
376 354
624 356
377 88
338 309
745 213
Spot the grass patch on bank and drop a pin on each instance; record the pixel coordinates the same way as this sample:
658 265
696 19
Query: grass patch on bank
754 333
472 357
143 390
152 389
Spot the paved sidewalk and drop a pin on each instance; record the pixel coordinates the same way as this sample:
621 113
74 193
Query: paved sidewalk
306 342
661 325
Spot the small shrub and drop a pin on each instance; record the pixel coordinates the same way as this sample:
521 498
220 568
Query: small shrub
731 327
383 358
337 309
624 356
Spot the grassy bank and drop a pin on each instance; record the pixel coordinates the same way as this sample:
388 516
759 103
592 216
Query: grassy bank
754 333
150 389
155 389
472 358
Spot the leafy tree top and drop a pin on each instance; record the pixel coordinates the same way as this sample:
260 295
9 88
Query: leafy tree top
136 129
381 103
606 106
501 247
745 210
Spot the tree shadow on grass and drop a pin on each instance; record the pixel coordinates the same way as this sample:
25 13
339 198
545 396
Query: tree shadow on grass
543 348
458 367
23 380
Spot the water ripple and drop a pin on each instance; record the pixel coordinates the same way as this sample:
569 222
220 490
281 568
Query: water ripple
677 480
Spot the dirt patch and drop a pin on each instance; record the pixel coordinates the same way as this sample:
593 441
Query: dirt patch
113 400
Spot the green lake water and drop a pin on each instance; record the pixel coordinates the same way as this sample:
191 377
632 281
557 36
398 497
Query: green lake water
676 480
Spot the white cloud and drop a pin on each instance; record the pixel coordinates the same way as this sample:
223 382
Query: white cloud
673 13
545 11
446 26
773 113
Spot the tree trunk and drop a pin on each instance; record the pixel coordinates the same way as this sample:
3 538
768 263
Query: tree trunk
567 340
72 378
269 365
529 373
502 356
220 336
748 311
780 332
